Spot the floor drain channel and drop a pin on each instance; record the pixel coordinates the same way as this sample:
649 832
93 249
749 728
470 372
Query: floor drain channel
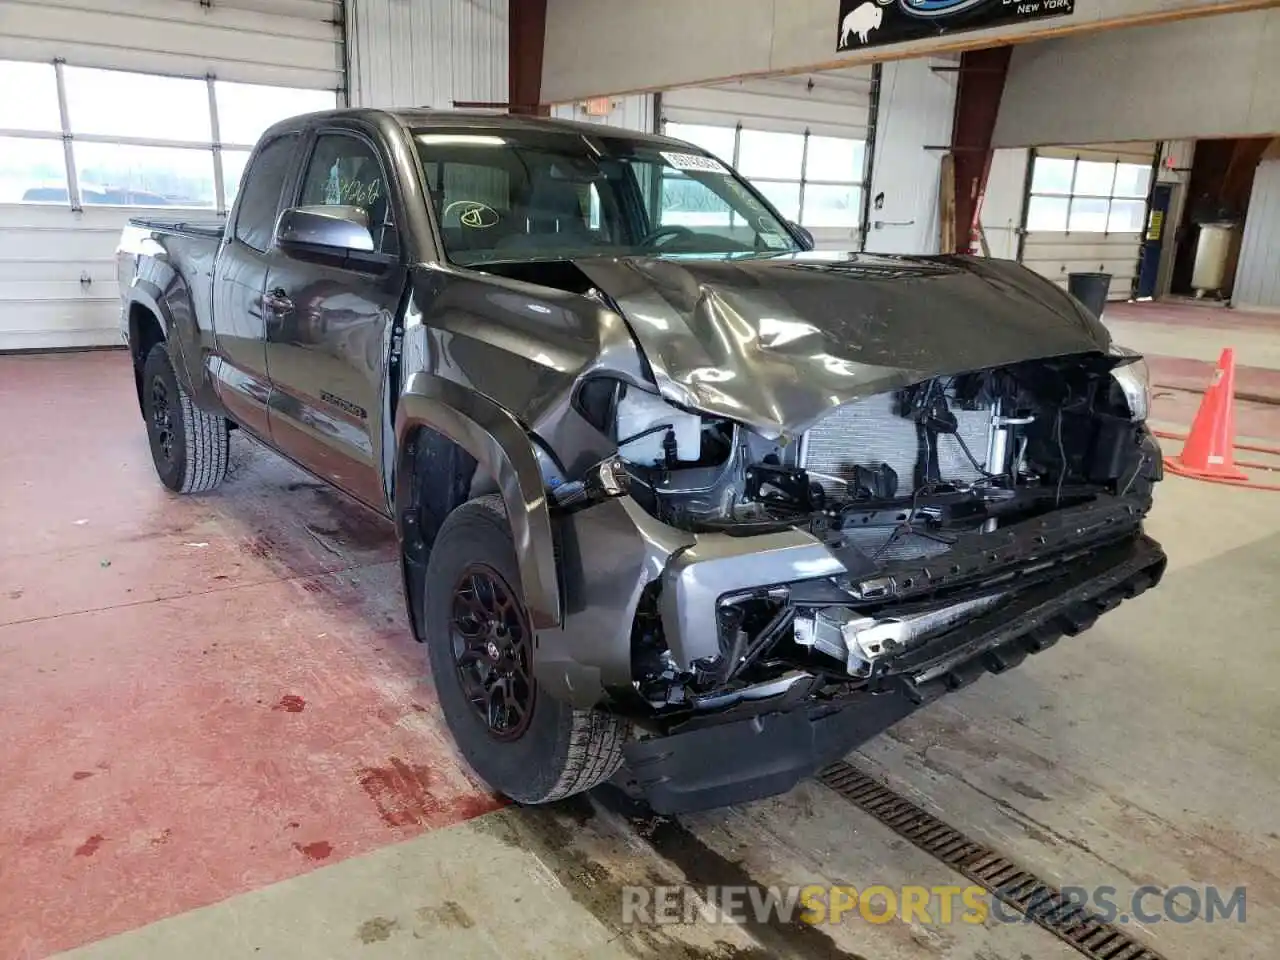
1023 891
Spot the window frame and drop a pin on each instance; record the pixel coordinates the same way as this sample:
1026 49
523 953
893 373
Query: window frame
286 184
1071 196
356 130
804 180
221 205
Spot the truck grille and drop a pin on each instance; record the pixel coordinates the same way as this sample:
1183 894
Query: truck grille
869 431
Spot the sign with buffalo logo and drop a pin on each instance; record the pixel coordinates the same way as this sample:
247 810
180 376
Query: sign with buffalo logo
870 23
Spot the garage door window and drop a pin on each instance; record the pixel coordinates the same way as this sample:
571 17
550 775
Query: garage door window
814 180
130 139
36 108
1087 196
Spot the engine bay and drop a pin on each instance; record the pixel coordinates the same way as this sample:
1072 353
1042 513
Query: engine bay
893 474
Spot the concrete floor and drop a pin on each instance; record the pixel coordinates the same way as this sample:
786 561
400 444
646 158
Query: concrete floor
220 741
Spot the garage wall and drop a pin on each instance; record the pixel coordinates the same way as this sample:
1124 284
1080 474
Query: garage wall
57 268
917 107
1258 277
427 53
630 113
1197 78
617 46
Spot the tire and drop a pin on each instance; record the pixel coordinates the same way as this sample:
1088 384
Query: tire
190 448
556 750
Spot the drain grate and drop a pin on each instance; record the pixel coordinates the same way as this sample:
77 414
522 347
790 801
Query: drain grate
1069 921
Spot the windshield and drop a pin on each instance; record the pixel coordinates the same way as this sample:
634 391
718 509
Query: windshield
543 195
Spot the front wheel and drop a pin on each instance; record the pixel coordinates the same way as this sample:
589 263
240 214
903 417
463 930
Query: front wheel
190 448
480 644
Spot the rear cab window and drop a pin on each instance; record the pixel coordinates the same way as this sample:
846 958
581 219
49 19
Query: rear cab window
259 202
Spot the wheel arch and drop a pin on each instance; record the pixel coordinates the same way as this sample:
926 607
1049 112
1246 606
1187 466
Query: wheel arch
146 328
446 436
150 322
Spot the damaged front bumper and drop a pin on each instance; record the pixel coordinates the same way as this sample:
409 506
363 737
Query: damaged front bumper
612 552
765 747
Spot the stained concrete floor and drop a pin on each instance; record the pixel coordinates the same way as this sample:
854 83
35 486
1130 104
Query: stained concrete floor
219 741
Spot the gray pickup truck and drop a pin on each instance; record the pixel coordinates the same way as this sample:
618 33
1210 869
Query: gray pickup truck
679 500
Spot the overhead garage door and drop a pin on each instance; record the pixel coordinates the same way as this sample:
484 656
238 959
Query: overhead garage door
132 107
801 140
1085 212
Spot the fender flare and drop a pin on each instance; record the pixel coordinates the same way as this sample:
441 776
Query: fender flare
146 294
500 446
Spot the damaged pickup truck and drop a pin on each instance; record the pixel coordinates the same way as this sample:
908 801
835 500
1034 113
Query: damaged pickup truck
679 500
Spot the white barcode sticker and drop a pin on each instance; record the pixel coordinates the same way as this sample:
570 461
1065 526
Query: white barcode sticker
694 162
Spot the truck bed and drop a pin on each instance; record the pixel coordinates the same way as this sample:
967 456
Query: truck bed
209 229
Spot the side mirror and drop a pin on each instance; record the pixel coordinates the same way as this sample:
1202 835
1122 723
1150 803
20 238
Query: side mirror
324 229
805 236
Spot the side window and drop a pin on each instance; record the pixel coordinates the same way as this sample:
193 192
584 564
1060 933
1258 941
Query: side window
344 171
260 194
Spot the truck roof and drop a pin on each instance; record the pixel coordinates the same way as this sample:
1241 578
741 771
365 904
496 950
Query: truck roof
420 117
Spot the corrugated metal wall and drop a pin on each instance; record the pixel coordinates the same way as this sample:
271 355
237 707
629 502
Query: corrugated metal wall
427 53
631 113
1258 277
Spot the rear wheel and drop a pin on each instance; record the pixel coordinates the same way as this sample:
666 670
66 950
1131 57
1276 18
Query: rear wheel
190 448
480 645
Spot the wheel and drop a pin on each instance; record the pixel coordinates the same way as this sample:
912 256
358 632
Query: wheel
480 645
189 447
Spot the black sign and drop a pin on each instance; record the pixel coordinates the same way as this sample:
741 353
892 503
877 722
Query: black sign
871 23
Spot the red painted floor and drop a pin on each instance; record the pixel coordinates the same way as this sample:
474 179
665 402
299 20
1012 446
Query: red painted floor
201 695
1190 313
1178 385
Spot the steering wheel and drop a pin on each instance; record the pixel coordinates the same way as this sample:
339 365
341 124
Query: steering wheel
671 230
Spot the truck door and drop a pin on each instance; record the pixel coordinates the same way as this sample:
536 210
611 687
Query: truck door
329 326
239 367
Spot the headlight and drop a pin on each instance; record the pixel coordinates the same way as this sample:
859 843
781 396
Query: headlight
1135 381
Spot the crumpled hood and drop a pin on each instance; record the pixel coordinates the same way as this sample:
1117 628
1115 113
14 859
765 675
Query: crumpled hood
774 342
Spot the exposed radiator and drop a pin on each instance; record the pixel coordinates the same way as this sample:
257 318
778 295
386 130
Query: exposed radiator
868 431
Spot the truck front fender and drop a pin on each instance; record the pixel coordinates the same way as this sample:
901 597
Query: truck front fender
500 447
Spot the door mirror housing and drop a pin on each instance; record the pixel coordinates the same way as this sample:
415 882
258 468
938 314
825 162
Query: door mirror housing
806 238
324 230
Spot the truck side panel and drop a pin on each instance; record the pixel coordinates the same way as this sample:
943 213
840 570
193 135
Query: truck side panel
165 288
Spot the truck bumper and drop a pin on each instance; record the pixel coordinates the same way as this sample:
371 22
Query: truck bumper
765 747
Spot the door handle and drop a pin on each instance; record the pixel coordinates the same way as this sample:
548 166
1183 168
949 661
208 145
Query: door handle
277 302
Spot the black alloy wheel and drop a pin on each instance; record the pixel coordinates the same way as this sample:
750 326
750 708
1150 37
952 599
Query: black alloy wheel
493 651
162 419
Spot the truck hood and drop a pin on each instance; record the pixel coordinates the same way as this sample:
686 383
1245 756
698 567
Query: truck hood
776 341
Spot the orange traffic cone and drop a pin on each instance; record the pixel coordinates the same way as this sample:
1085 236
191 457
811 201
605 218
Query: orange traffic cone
1208 450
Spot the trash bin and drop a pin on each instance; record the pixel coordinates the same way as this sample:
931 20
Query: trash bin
1091 289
